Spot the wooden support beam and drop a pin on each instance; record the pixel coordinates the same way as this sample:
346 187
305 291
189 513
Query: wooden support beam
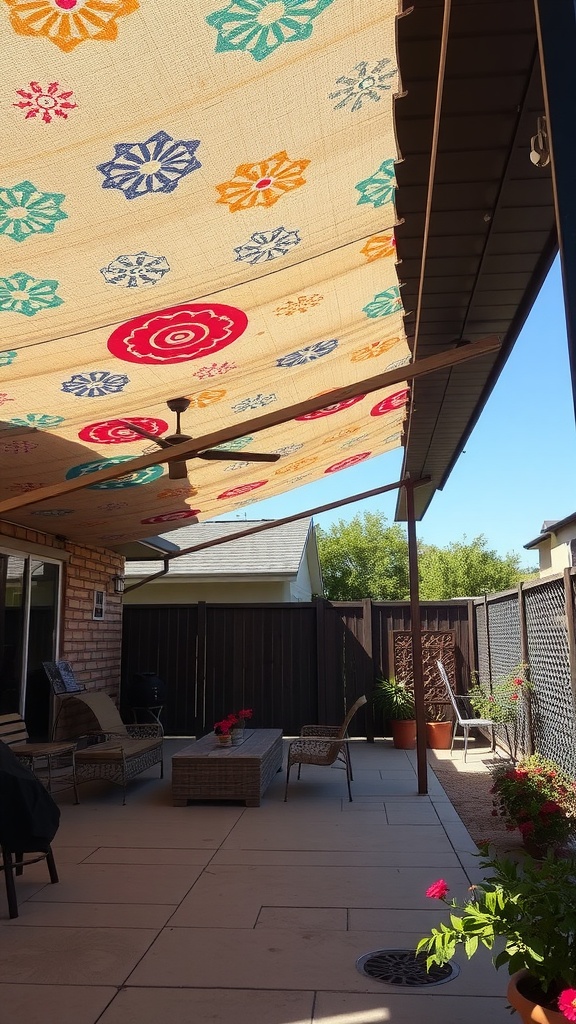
416 631
271 419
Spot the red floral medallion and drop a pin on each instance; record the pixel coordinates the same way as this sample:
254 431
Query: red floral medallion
168 517
346 463
395 401
118 431
179 333
329 410
234 492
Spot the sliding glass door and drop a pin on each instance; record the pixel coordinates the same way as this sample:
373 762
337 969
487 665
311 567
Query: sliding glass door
29 603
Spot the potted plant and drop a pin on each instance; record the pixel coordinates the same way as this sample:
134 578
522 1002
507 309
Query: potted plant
239 719
501 702
532 906
396 702
538 798
438 726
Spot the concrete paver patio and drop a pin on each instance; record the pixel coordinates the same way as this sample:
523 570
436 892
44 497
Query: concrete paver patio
234 915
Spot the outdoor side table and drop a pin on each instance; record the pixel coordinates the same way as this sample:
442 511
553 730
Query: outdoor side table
207 771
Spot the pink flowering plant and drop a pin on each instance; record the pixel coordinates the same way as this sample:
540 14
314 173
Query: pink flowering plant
538 798
500 701
225 726
532 906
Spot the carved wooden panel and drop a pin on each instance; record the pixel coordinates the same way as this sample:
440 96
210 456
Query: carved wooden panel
437 645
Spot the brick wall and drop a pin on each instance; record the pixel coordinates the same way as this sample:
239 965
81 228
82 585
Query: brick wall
92 646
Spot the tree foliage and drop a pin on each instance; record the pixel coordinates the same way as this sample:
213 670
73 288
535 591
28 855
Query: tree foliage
367 557
364 558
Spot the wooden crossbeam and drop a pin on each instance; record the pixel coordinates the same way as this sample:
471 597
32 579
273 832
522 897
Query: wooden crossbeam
187 449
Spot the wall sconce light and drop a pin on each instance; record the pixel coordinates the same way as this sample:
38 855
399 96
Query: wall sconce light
118 582
539 144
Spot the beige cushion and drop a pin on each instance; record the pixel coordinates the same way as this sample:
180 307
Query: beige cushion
113 750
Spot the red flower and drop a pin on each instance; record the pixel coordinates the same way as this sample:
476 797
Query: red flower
222 728
245 713
567 1003
518 682
526 828
550 807
438 890
513 696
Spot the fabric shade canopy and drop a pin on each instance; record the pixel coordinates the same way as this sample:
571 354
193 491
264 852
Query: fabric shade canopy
195 200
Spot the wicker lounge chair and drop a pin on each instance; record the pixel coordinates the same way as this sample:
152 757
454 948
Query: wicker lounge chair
323 745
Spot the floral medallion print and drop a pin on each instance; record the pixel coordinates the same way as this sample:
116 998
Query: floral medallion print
67 23
384 303
288 449
112 506
140 476
354 441
308 460
25 211
45 103
405 361
171 493
18 447
373 350
168 517
345 432
24 488
329 410
267 245
157 165
205 398
235 492
135 271
346 463
260 26
95 384
179 333
53 512
379 188
5 397
262 183
300 305
37 420
7 358
119 432
214 370
234 446
308 354
255 402
393 438
395 401
379 246
28 295
366 81
235 466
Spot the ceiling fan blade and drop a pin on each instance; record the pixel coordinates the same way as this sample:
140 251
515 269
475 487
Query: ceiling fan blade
222 455
177 470
145 433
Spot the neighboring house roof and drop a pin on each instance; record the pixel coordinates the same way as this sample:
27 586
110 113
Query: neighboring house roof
550 526
275 552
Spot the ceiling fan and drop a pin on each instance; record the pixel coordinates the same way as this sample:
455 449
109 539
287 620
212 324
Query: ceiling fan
177 467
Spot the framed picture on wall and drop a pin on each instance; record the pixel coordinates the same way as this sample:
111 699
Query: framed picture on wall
98 608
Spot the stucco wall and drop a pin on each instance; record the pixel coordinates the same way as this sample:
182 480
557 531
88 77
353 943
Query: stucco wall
554 552
175 592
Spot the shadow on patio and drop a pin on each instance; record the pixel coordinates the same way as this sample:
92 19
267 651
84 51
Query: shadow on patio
243 915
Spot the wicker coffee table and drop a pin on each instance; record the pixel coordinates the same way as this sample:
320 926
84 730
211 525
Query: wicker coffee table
206 771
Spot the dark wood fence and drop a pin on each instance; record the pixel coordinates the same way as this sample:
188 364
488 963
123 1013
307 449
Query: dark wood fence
293 663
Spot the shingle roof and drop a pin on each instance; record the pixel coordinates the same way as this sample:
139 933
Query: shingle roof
273 552
550 526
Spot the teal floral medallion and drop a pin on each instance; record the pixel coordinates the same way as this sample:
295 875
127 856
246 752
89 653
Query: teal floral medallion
25 211
22 293
260 26
379 188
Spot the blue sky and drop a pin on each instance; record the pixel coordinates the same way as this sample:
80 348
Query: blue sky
517 469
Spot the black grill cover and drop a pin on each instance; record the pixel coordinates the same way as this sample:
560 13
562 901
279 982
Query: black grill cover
146 690
29 818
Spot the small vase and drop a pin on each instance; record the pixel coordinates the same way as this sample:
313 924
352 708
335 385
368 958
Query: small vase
224 740
237 735
530 1012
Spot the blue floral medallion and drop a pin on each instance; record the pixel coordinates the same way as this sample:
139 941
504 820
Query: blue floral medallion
255 402
362 83
7 357
267 245
135 271
25 211
288 449
384 303
95 384
53 512
40 421
25 294
308 354
379 189
260 26
157 165
141 476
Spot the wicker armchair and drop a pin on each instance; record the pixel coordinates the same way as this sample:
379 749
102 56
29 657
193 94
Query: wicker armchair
323 745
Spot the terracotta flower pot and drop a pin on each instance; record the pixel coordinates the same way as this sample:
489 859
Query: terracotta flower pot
530 1013
439 735
404 734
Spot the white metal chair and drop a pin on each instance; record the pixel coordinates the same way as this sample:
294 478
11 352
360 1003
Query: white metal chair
461 706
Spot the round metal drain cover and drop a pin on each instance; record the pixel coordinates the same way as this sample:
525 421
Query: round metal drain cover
403 967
